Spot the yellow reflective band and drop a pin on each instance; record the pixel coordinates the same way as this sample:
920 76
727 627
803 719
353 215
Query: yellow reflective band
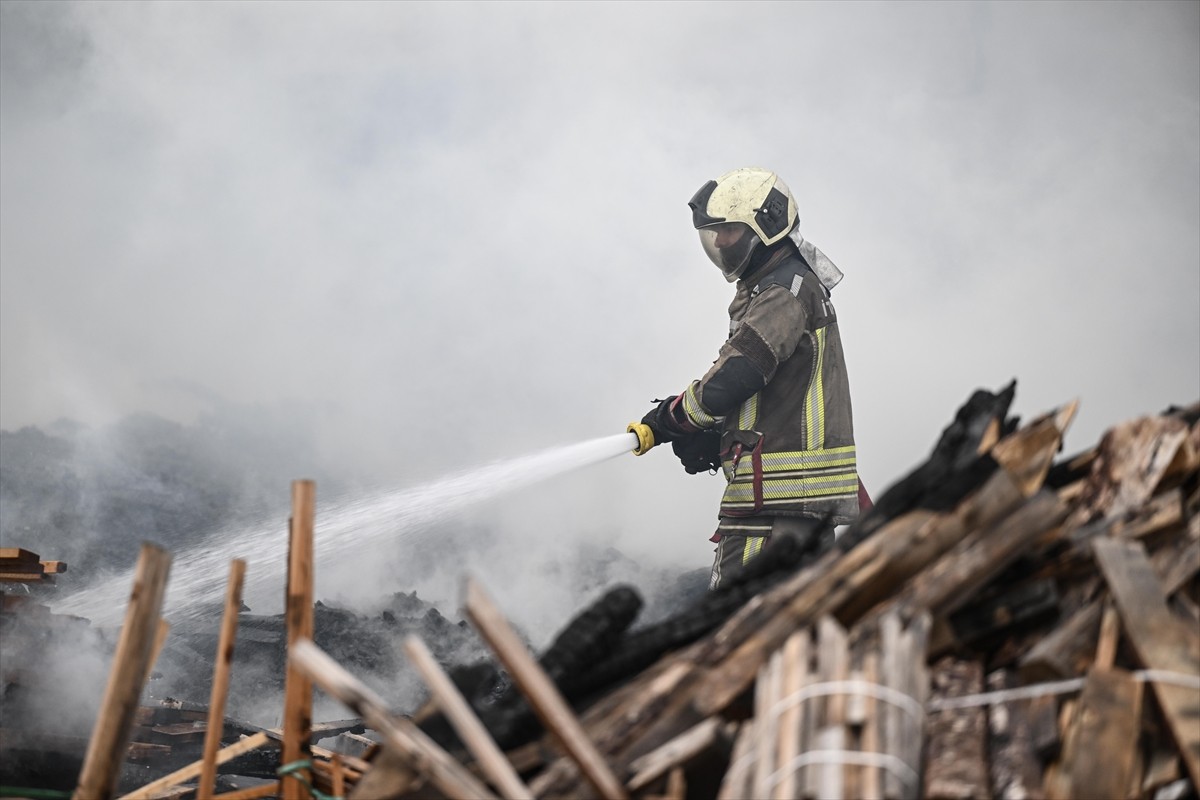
753 546
797 461
742 492
748 416
695 413
809 459
814 401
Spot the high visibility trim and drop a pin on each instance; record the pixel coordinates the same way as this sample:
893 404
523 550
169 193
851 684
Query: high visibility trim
695 412
753 546
742 494
804 460
814 399
803 487
748 416
809 459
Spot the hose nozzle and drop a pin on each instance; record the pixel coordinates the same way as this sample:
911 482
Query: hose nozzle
645 437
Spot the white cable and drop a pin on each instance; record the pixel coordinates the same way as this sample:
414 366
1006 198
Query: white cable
1055 688
891 763
850 687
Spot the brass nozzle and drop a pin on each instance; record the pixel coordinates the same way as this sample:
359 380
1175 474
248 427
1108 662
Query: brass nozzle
645 437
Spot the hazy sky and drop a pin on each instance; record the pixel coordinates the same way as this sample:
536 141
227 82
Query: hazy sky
451 232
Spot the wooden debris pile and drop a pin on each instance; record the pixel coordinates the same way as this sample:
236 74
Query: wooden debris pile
1001 624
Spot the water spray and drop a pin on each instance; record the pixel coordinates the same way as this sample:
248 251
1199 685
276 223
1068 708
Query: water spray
344 529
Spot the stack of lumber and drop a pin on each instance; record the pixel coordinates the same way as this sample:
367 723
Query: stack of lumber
999 625
20 566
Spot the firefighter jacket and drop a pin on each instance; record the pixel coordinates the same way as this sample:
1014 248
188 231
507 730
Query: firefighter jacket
780 394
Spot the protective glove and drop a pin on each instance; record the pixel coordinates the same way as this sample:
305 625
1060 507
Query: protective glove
699 452
663 423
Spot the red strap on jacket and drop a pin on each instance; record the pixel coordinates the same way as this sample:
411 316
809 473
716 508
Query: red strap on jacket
864 500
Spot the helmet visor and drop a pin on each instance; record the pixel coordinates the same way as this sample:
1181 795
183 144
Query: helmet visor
729 245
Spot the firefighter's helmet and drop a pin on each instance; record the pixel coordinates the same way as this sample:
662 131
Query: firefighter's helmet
739 211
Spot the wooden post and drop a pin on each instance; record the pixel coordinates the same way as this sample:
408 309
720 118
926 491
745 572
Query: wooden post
110 736
540 691
491 760
297 709
220 685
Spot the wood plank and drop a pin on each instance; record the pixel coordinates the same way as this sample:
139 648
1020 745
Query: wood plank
795 667
253 792
870 777
18 554
26 577
399 734
956 764
540 691
1016 770
223 661
767 694
225 754
735 783
468 727
298 694
1067 650
679 750
1133 458
109 742
1161 641
1100 761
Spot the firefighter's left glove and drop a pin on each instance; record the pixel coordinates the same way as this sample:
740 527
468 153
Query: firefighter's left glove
664 420
700 451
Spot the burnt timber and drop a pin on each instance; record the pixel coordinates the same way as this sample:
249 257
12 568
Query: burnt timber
1005 622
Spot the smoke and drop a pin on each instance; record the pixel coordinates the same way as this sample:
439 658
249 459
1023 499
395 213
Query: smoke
397 240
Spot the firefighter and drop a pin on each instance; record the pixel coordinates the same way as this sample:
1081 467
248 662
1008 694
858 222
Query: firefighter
773 412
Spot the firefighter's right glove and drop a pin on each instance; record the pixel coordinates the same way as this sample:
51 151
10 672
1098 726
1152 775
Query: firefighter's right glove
664 421
700 451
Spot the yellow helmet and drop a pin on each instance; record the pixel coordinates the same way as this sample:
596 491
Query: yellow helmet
737 212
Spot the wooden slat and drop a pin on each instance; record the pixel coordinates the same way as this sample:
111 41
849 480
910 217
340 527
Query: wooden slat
540 691
18 554
956 766
110 736
1100 760
223 661
468 727
26 577
399 734
1161 641
1015 768
795 664
192 770
687 745
767 693
253 792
